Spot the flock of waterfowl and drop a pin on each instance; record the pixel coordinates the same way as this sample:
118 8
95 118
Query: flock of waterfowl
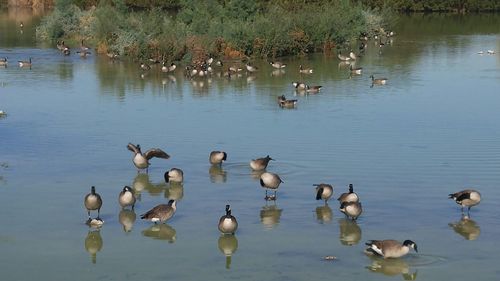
350 204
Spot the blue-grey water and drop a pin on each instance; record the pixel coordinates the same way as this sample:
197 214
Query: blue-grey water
432 130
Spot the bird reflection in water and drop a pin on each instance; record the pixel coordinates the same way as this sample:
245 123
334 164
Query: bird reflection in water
324 214
160 231
217 174
228 244
127 219
270 215
175 191
392 267
93 244
142 182
350 232
466 227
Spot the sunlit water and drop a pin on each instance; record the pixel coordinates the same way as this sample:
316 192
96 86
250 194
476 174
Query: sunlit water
432 130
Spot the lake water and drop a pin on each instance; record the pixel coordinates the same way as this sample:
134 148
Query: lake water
432 130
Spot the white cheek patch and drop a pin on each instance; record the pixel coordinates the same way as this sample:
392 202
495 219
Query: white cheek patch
377 250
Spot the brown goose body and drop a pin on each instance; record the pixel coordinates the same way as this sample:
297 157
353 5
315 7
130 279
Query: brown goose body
93 201
351 209
390 248
217 157
466 198
350 196
227 223
260 164
161 213
323 191
174 175
126 197
140 160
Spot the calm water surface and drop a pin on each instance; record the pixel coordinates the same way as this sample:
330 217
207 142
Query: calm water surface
431 131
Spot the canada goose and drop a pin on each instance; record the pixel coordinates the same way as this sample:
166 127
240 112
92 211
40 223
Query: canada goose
174 175
83 54
127 219
217 157
270 181
60 45
378 81
352 210
93 201
350 196
141 161
251 68
277 64
323 191
305 70
209 61
299 85
342 57
490 52
160 213
228 223
313 89
170 68
390 248
126 197
112 55
260 164
3 61
235 68
66 51
83 47
24 63
145 66
356 70
353 56
283 102
466 198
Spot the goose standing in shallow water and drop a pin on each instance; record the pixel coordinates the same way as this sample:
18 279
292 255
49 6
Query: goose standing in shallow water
466 198
228 223
251 68
126 197
390 248
174 175
352 210
350 196
260 164
323 191
3 61
161 213
141 161
93 202
270 181
217 157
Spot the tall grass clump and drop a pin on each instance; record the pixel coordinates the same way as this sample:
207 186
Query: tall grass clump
232 28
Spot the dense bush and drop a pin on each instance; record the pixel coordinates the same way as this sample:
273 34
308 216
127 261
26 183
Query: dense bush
236 28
